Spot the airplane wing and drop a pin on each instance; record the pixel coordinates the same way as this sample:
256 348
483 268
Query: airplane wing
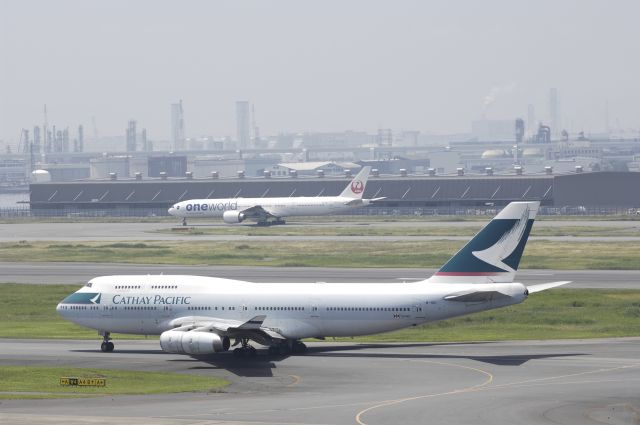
256 212
483 296
542 286
251 329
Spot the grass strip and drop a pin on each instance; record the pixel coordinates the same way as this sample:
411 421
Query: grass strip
44 382
539 254
29 311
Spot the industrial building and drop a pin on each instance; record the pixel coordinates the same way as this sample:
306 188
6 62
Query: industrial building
582 192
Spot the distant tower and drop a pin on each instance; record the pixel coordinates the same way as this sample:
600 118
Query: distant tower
58 140
242 124
49 145
65 140
177 127
554 112
256 129
80 139
131 136
46 140
36 139
519 137
143 137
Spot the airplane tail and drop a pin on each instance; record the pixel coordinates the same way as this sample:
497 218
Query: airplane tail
355 188
493 255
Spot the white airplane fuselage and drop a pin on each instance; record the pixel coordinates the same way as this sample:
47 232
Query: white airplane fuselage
148 304
279 207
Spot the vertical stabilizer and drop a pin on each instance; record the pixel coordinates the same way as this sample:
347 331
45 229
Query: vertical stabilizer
493 255
355 189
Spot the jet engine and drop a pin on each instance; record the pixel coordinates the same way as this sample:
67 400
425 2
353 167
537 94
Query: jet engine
231 217
181 342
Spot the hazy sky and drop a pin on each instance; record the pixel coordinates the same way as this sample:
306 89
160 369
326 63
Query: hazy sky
316 65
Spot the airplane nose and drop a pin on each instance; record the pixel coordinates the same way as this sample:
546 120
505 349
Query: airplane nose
172 210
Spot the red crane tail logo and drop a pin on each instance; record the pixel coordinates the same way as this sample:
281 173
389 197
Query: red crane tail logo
357 186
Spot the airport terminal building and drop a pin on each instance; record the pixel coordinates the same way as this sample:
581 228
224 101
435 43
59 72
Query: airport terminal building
597 192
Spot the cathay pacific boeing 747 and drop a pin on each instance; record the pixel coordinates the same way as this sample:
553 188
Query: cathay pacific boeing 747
198 315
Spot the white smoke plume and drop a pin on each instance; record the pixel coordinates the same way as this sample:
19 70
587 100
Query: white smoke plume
497 91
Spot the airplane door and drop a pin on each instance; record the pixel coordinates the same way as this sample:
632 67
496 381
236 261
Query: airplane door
243 311
106 311
419 311
314 308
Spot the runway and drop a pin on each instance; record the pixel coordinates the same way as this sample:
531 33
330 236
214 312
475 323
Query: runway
80 273
561 382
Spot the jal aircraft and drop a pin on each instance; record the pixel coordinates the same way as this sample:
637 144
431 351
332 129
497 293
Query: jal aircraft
204 315
271 210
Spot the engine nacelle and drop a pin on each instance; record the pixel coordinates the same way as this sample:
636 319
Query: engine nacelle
231 217
181 342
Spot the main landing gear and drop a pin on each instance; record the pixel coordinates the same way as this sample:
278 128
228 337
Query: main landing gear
245 350
286 347
271 223
106 346
184 221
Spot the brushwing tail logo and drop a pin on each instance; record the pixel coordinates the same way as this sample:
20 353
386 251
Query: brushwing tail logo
505 246
357 186
96 299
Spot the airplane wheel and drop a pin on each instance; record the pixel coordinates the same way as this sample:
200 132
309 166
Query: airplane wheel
252 352
283 349
237 352
103 347
110 347
299 348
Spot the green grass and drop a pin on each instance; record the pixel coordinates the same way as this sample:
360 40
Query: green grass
28 311
552 314
539 254
43 382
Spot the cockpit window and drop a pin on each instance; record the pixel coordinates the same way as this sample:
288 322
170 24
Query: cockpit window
88 285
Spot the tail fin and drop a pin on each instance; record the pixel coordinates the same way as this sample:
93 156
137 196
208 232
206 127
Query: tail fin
494 253
355 188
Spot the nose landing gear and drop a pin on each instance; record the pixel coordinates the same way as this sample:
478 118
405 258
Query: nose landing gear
106 346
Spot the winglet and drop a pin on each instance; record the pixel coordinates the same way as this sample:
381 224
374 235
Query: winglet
543 286
355 188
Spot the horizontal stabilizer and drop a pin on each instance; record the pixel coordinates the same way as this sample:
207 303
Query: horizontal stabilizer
543 286
476 296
